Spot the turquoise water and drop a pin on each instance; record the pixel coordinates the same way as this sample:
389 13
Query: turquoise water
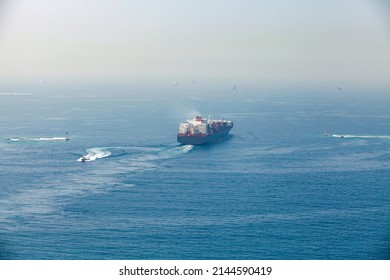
277 189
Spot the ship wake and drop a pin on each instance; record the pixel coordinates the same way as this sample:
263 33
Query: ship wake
94 154
38 139
137 154
50 194
174 152
361 136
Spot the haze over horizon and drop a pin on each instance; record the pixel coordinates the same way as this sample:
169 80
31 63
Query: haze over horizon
267 42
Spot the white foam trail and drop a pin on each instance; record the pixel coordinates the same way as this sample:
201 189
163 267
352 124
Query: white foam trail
174 152
52 139
48 195
161 154
29 139
94 154
186 148
361 136
15 93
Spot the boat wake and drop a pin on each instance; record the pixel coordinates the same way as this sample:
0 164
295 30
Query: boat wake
186 148
361 136
48 195
138 154
94 154
38 139
15 93
174 152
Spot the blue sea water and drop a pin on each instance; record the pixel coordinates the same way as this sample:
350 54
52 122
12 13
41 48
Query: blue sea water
277 189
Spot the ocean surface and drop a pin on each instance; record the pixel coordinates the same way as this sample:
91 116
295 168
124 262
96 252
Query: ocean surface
278 188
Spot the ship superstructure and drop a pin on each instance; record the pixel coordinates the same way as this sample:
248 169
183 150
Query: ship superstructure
200 131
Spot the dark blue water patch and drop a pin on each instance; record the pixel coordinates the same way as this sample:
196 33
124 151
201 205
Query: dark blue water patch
5 250
238 217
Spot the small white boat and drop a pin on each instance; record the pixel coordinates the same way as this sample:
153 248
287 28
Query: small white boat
82 159
86 158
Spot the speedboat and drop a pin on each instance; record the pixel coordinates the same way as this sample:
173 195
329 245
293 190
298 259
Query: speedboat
84 158
87 158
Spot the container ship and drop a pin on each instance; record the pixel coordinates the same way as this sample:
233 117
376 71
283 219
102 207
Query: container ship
199 131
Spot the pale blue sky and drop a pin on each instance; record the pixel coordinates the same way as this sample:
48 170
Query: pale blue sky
247 41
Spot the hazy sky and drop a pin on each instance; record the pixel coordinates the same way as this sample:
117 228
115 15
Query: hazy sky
254 41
